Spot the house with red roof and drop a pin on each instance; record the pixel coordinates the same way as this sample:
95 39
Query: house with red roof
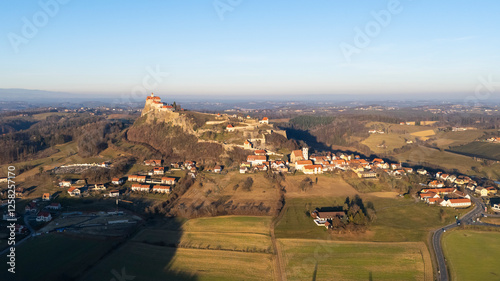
162 189
73 191
43 216
167 180
256 159
264 120
312 169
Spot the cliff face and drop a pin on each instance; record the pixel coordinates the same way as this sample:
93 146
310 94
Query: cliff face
155 111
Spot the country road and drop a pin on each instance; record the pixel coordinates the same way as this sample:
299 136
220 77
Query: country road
468 218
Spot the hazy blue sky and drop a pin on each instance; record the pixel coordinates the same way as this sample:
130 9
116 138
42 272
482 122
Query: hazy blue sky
259 46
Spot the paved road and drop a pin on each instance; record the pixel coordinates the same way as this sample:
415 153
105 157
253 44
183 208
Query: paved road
468 218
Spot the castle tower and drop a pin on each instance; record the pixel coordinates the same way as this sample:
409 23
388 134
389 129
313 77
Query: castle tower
305 153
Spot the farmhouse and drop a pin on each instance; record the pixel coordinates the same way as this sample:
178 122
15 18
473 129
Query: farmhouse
247 145
114 193
66 183
327 215
299 165
230 128
141 179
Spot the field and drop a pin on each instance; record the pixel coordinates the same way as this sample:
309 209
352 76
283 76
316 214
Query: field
479 149
472 255
218 248
398 219
55 257
447 139
390 142
450 161
330 260
234 233
327 185
424 135
261 199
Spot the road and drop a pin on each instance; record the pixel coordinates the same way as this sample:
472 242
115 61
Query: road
468 218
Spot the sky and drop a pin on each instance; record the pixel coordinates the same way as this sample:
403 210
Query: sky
250 47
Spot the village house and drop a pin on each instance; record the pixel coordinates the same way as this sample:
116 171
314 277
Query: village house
217 169
65 183
299 165
367 174
456 203
46 197
73 191
161 189
159 171
260 152
312 169
54 206
436 184
31 207
243 169
256 159
117 181
153 162
422 172
43 216
141 179
167 180
247 145
99 187
20 229
264 120
114 193
140 187
230 128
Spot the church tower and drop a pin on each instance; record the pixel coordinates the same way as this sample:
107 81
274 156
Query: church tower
305 153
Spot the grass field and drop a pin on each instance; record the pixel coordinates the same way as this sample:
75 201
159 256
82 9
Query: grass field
218 248
327 185
450 161
234 233
479 149
472 255
391 141
150 262
424 135
447 139
329 260
55 257
398 219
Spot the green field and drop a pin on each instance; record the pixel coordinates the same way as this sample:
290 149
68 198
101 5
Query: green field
55 257
218 248
329 260
479 149
472 255
398 220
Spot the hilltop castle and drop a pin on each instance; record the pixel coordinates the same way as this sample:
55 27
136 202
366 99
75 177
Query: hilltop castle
155 103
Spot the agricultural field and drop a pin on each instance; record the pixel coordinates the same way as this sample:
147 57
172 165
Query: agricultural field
388 141
479 149
55 257
424 135
307 259
449 139
261 198
218 248
447 160
398 219
472 255
233 233
328 185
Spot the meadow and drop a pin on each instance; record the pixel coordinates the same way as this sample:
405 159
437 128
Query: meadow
332 260
479 149
218 248
472 255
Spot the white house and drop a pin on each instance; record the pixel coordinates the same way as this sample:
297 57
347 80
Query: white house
43 217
